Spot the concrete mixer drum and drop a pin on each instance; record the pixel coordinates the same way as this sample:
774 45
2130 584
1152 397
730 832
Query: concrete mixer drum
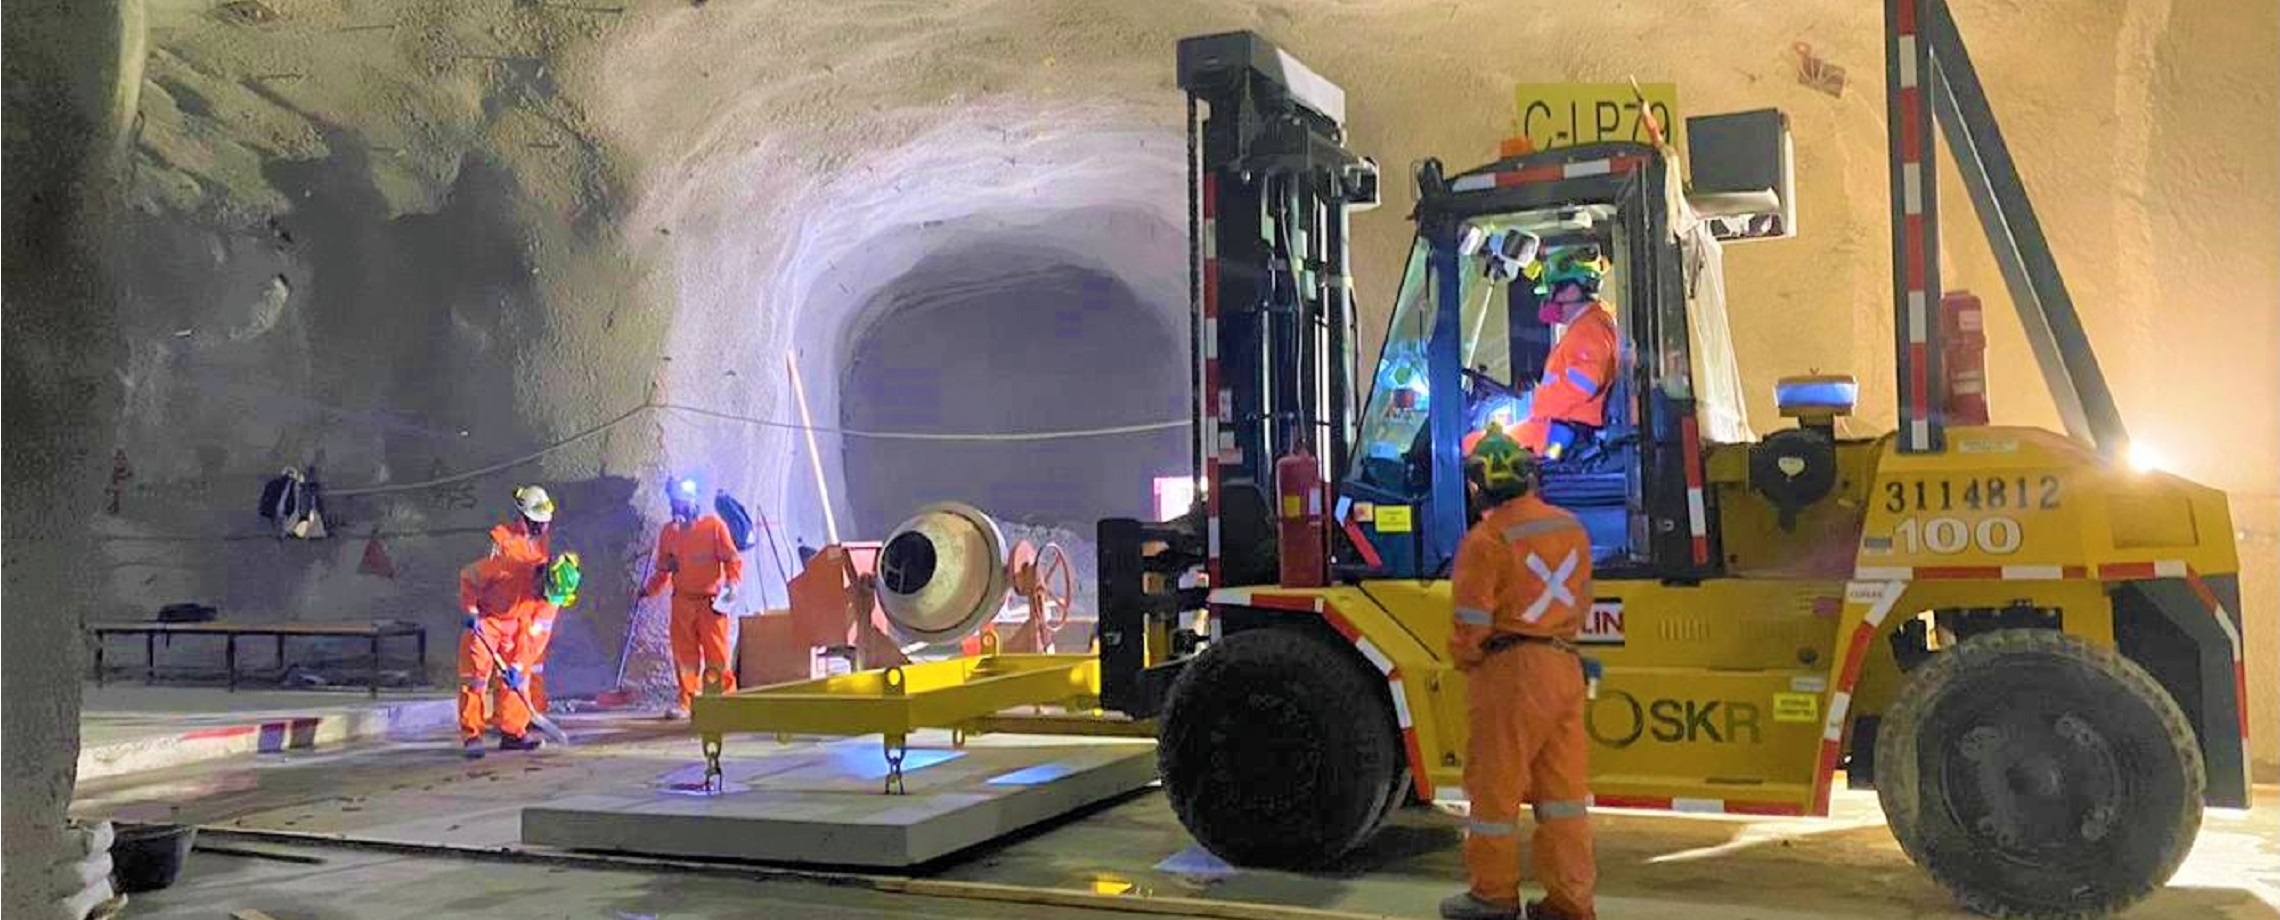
942 574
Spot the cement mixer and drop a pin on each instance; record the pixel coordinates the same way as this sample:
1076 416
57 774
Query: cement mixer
942 577
943 573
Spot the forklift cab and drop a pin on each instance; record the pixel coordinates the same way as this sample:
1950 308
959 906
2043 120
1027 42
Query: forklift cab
1466 326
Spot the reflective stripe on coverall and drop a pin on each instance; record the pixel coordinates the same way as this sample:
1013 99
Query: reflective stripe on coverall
1576 378
697 560
1525 569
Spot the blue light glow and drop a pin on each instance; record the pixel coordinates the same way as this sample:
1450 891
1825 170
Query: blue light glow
1034 776
868 762
1830 394
687 486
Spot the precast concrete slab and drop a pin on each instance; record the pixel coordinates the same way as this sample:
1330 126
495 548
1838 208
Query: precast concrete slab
828 806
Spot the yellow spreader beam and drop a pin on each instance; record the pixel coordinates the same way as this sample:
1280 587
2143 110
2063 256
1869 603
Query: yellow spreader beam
965 695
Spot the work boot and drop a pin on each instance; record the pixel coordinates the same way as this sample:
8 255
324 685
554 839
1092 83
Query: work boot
520 743
1538 910
675 714
472 749
1464 906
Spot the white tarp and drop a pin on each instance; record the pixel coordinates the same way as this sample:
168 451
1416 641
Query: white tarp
1719 406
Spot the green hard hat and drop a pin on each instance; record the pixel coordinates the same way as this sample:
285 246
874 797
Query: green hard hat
1500 465
1582 265
563 576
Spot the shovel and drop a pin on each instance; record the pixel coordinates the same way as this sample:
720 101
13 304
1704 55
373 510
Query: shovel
538 720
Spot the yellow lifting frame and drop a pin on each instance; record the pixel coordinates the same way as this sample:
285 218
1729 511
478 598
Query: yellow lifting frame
960 694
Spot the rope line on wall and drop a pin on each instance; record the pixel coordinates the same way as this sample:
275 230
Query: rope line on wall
627 416
630 414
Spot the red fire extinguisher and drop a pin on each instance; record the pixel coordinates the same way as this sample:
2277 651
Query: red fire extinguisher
1301 540
1963 337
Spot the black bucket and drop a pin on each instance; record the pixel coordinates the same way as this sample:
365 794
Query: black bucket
147 857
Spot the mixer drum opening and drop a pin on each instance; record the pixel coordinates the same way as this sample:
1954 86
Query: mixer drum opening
942 575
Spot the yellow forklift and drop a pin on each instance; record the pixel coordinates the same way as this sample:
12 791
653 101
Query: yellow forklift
2028 648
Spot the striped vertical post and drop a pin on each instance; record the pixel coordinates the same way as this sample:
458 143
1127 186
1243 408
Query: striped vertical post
1211 400
1915 226
1697 510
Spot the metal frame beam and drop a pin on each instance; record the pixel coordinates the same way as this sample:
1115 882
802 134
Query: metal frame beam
2030 272
1928 74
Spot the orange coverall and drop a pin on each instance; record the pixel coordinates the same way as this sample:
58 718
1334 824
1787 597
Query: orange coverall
1525 570
697 560
502 590
1576 378
507 540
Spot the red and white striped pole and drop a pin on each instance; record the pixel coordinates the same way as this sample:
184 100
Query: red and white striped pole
1212 401
1915 225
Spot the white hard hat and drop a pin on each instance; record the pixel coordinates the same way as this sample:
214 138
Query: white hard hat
535 504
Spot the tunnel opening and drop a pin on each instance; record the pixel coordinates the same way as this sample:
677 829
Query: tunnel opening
1009 336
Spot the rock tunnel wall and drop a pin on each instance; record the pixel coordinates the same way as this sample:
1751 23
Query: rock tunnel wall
657 203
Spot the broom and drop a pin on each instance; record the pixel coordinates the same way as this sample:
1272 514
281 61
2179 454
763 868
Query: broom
538 720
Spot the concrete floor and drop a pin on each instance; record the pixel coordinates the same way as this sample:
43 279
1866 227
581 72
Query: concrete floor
1652 865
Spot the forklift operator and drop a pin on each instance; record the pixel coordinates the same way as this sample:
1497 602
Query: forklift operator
1569 405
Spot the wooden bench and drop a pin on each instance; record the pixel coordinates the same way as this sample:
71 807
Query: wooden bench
232 632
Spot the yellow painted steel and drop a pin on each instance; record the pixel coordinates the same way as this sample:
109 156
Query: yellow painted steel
1732 693
898 701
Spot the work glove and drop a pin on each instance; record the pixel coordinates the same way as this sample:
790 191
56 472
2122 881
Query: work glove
470 620
725 601
514 677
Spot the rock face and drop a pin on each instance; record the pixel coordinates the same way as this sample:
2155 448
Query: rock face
73 72
409 241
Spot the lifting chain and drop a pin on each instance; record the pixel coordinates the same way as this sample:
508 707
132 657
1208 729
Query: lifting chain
896 749
713 782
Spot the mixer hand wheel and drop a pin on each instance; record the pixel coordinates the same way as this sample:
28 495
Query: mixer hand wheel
1056 585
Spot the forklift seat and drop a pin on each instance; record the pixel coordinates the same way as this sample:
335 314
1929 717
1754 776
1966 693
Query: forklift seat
1593 482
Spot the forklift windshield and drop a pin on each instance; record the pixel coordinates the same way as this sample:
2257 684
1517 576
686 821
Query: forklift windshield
1503 344
1604 386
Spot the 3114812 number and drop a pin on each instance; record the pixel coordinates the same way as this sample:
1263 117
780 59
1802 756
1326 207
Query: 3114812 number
1991 493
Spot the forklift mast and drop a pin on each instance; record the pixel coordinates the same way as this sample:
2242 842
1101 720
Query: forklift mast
1271 184
1925 52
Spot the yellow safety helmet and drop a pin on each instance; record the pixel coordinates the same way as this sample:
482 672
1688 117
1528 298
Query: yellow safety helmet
1500 466
534 503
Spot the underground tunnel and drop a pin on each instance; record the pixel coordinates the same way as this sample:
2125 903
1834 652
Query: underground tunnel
429 242
1008 336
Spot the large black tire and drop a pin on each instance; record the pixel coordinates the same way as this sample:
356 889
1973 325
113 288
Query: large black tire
1278 749
2036 775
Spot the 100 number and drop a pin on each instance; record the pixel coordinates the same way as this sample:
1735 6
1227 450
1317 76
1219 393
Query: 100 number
1948 536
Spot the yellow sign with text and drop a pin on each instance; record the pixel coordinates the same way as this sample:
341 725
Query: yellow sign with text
1393 519
1573 114
1796 707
